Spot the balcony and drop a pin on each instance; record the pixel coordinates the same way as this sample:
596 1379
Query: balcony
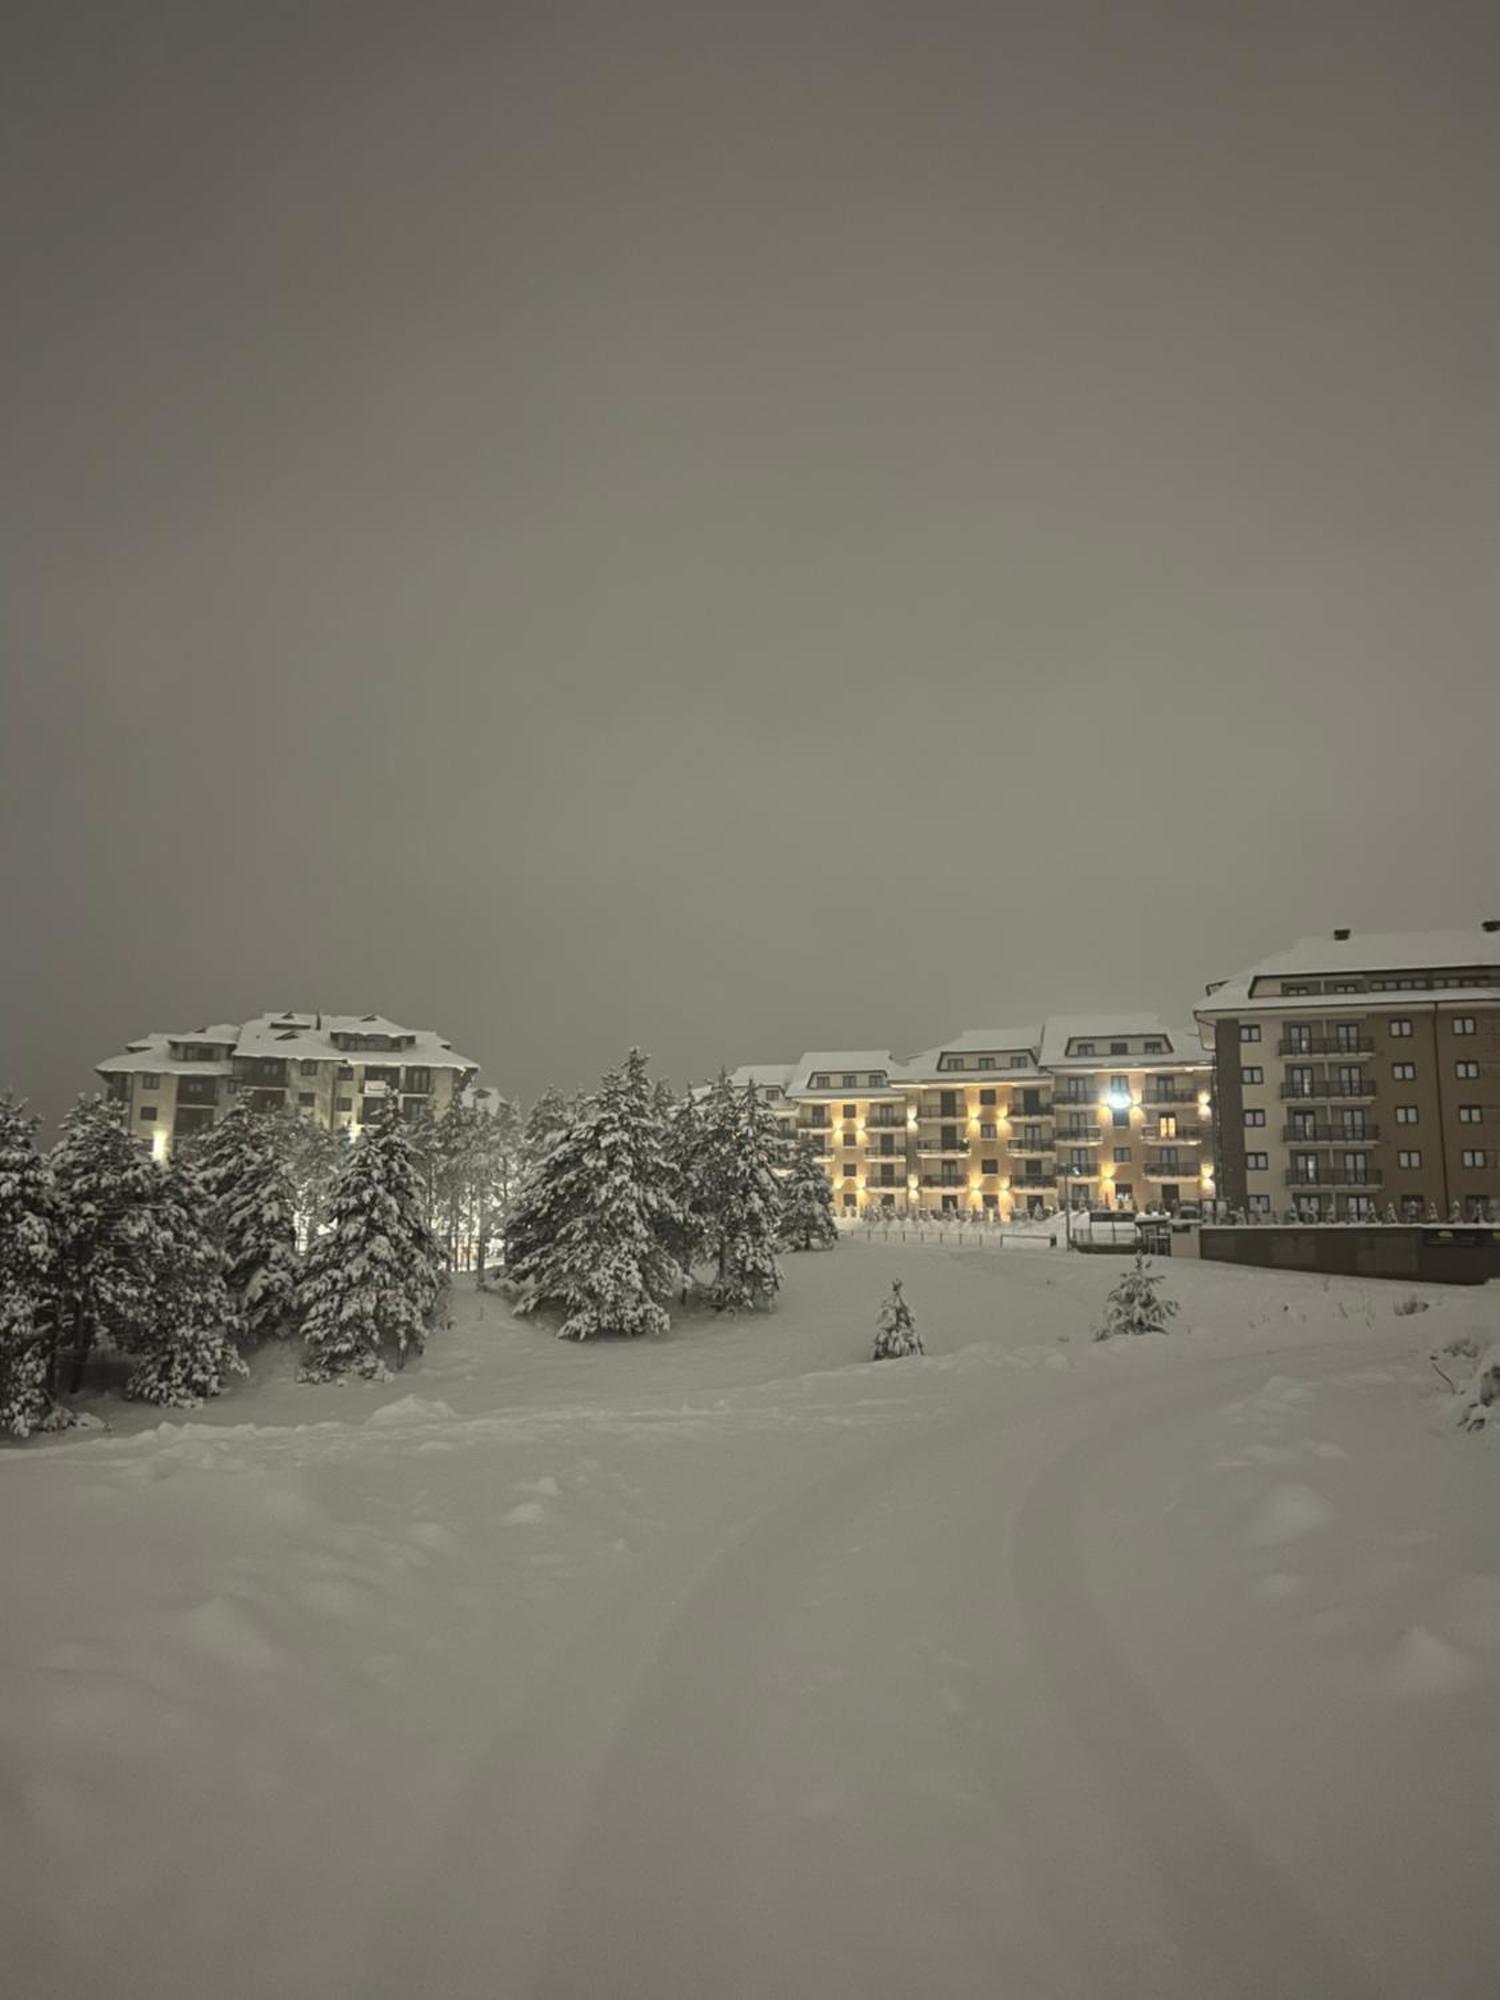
1361 1048
1168 1094
1079 1135
1171 1170
1328 1175
1330 1086
885 1124
953 1182
1185 1135
1020 1142
1329 1135
1033 1180
942 1148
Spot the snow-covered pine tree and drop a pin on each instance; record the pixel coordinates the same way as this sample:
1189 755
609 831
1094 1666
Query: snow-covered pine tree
591 1230
807 1205
188 1351
111 1241
735 1195
897 1331
371 1281
1134 1306
27 1328
253 1217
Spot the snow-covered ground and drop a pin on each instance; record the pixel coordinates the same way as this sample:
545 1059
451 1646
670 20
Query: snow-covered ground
734 1664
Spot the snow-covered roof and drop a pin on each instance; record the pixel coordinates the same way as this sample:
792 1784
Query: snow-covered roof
1331 955
152 1056
1061 1034
765 1076
291 1037
836 1064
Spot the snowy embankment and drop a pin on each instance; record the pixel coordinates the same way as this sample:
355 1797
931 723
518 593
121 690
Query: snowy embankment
733 1663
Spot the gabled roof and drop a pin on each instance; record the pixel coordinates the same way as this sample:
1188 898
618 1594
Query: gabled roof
838 1063
1062 1032
773 1076
1330 955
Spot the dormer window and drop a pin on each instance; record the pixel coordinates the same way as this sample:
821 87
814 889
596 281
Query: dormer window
850 1080
1020 1062
1119 1048
1155 1048
986 1062
1084 1049
820 1083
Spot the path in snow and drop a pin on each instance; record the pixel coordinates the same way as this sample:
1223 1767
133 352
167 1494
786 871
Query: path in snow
738 1665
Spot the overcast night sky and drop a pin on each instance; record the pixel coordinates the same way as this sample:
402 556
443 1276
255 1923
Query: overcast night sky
734 528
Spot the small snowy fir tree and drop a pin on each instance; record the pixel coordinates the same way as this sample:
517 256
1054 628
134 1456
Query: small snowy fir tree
897 1331
592 1229
188 1352
26 1261
112 1242
371 1281
807 1205
735 1196
1134 1306
253 1217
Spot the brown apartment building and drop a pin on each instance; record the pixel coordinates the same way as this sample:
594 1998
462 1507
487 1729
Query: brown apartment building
1359 1074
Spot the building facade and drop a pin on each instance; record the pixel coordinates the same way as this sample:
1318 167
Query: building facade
332 1068
1358 1075
1111 1111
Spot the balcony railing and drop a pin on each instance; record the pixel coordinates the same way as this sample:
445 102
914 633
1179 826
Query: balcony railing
1330 1175
1330 1135
1185 1135
1171 1170
1168 1094
1330 1086
931 1148
1033 1180
885 1124
944 1181
1079 1135
1363 1045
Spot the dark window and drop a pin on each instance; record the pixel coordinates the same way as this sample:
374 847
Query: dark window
987 1096
989 1166
150 1080
307 1068
148 1112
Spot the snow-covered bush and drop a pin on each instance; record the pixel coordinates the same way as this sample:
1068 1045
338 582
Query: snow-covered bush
593 1229
897 1331
112 1239
732 1196
188 1350
372 1280
807 1206
1134 1306
253 1217
26 1262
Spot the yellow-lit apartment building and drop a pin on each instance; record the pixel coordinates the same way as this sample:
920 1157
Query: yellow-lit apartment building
1112 1111
331 1068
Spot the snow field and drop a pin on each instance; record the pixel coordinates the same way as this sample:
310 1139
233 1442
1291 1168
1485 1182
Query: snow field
733 1662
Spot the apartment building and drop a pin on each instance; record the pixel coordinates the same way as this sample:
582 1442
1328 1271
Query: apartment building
330 1067
1359 1074
1111 1110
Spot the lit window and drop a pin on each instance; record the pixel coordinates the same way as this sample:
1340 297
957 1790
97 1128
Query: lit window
1255 1117
1400 1028
1476 1159
1252 1073
1403 1072
1471 1114
1409 1159
1467 1071
1406 1114
1257 1163
1463 1024
1249 1031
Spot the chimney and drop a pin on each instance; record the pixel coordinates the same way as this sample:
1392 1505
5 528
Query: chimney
1342 936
